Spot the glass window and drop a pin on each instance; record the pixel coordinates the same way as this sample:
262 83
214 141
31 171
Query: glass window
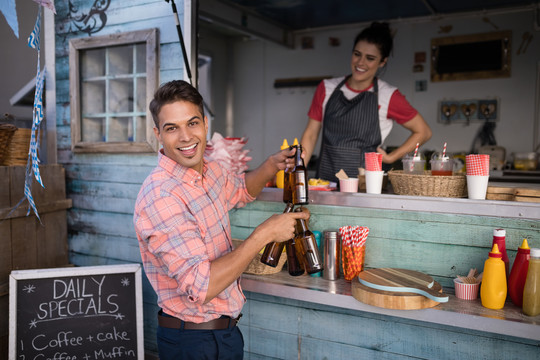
110 87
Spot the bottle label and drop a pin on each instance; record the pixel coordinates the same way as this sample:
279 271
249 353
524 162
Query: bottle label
300 188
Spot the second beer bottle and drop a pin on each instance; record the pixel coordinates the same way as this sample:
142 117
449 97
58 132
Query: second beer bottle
272 252
306 247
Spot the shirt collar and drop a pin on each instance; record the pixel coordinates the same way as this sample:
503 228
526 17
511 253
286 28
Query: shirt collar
180 172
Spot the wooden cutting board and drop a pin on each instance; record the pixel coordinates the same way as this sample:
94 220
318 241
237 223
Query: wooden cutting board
514 192
395 289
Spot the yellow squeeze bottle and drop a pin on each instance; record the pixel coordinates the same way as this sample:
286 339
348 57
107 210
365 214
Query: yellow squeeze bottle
280 173
493 289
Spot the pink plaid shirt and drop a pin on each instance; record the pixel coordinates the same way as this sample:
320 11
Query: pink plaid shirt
182 223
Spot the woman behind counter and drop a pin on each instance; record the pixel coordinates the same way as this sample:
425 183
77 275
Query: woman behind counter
356 112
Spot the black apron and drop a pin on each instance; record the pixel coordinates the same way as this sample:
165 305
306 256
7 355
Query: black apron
350 129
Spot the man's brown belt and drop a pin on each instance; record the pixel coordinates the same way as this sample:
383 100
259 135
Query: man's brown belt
221 323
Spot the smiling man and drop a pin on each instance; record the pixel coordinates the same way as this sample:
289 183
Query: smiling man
182 224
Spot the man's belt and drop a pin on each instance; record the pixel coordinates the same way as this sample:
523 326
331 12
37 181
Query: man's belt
224 322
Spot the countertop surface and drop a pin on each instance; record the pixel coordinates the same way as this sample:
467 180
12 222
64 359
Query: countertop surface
469 314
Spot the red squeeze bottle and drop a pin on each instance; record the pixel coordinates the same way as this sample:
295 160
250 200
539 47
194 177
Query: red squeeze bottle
499 238
518 275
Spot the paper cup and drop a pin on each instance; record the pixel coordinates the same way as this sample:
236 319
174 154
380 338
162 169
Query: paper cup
477 186
466 291
374 180
349 185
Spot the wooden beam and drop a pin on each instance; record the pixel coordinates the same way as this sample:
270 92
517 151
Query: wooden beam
244 22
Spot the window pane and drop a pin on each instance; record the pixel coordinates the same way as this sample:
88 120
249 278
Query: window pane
121 60
92 63
120 129
93 129
141 58
121 95
141 128
93 97
141 95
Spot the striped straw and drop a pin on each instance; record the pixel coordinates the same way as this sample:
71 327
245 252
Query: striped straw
444 150
414 156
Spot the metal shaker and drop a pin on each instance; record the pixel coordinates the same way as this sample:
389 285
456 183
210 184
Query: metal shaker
331 254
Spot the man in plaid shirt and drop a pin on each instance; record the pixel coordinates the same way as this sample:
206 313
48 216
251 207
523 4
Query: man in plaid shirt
182 224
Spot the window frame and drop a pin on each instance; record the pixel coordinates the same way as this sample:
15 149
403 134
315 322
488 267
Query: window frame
150 38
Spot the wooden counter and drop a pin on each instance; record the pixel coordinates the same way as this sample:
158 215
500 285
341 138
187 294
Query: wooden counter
459 313
311 318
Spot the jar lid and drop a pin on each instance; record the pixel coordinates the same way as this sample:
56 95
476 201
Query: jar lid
330 234
499 232
535 252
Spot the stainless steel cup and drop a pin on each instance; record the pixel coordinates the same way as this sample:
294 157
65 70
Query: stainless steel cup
331 255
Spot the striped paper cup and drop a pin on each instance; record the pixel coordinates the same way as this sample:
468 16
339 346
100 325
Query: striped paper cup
373 161
466 291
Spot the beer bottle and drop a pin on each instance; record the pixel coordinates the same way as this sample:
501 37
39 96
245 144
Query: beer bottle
298 179
272 251
287 186
294 263
306 247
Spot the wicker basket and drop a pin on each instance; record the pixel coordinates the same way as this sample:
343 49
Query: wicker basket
6 135
428 185
256 267
17 153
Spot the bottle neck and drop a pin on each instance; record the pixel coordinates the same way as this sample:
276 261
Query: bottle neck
288 208
302 226
298 156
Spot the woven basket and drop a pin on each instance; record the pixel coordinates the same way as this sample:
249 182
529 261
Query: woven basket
17 153
428 185
6 135
256 267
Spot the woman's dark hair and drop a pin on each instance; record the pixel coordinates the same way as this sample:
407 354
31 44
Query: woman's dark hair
176 90
378 34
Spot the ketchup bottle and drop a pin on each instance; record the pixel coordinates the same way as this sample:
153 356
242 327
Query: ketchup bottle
499 238
518 275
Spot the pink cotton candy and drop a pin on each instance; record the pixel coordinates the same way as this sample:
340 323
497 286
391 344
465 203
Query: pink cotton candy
229 152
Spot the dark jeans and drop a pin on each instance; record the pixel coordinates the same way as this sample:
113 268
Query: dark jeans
200 344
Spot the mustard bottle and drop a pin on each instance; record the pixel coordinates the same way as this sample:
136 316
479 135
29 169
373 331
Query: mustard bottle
280 173
531 291
493 288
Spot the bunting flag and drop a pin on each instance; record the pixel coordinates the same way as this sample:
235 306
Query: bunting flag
33 160
7 8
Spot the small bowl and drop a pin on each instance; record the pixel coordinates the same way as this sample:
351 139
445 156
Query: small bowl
466 291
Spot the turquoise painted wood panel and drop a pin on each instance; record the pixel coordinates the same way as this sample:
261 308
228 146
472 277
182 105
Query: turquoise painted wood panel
99 173
442 245
106 223
325 332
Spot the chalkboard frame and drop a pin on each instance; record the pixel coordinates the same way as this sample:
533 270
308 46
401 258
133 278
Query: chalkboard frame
17 275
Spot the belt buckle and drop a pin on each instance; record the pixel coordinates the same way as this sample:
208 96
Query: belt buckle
238 319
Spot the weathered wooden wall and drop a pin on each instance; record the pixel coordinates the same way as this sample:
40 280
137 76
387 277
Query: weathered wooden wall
442 245
103 187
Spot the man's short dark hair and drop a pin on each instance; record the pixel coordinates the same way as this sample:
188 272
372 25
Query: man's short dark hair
175 90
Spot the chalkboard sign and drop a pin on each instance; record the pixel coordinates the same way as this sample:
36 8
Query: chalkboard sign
82 313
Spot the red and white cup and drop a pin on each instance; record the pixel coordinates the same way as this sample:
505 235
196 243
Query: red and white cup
373 161
466 291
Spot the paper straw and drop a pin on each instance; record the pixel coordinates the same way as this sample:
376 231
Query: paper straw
444 150
414 156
